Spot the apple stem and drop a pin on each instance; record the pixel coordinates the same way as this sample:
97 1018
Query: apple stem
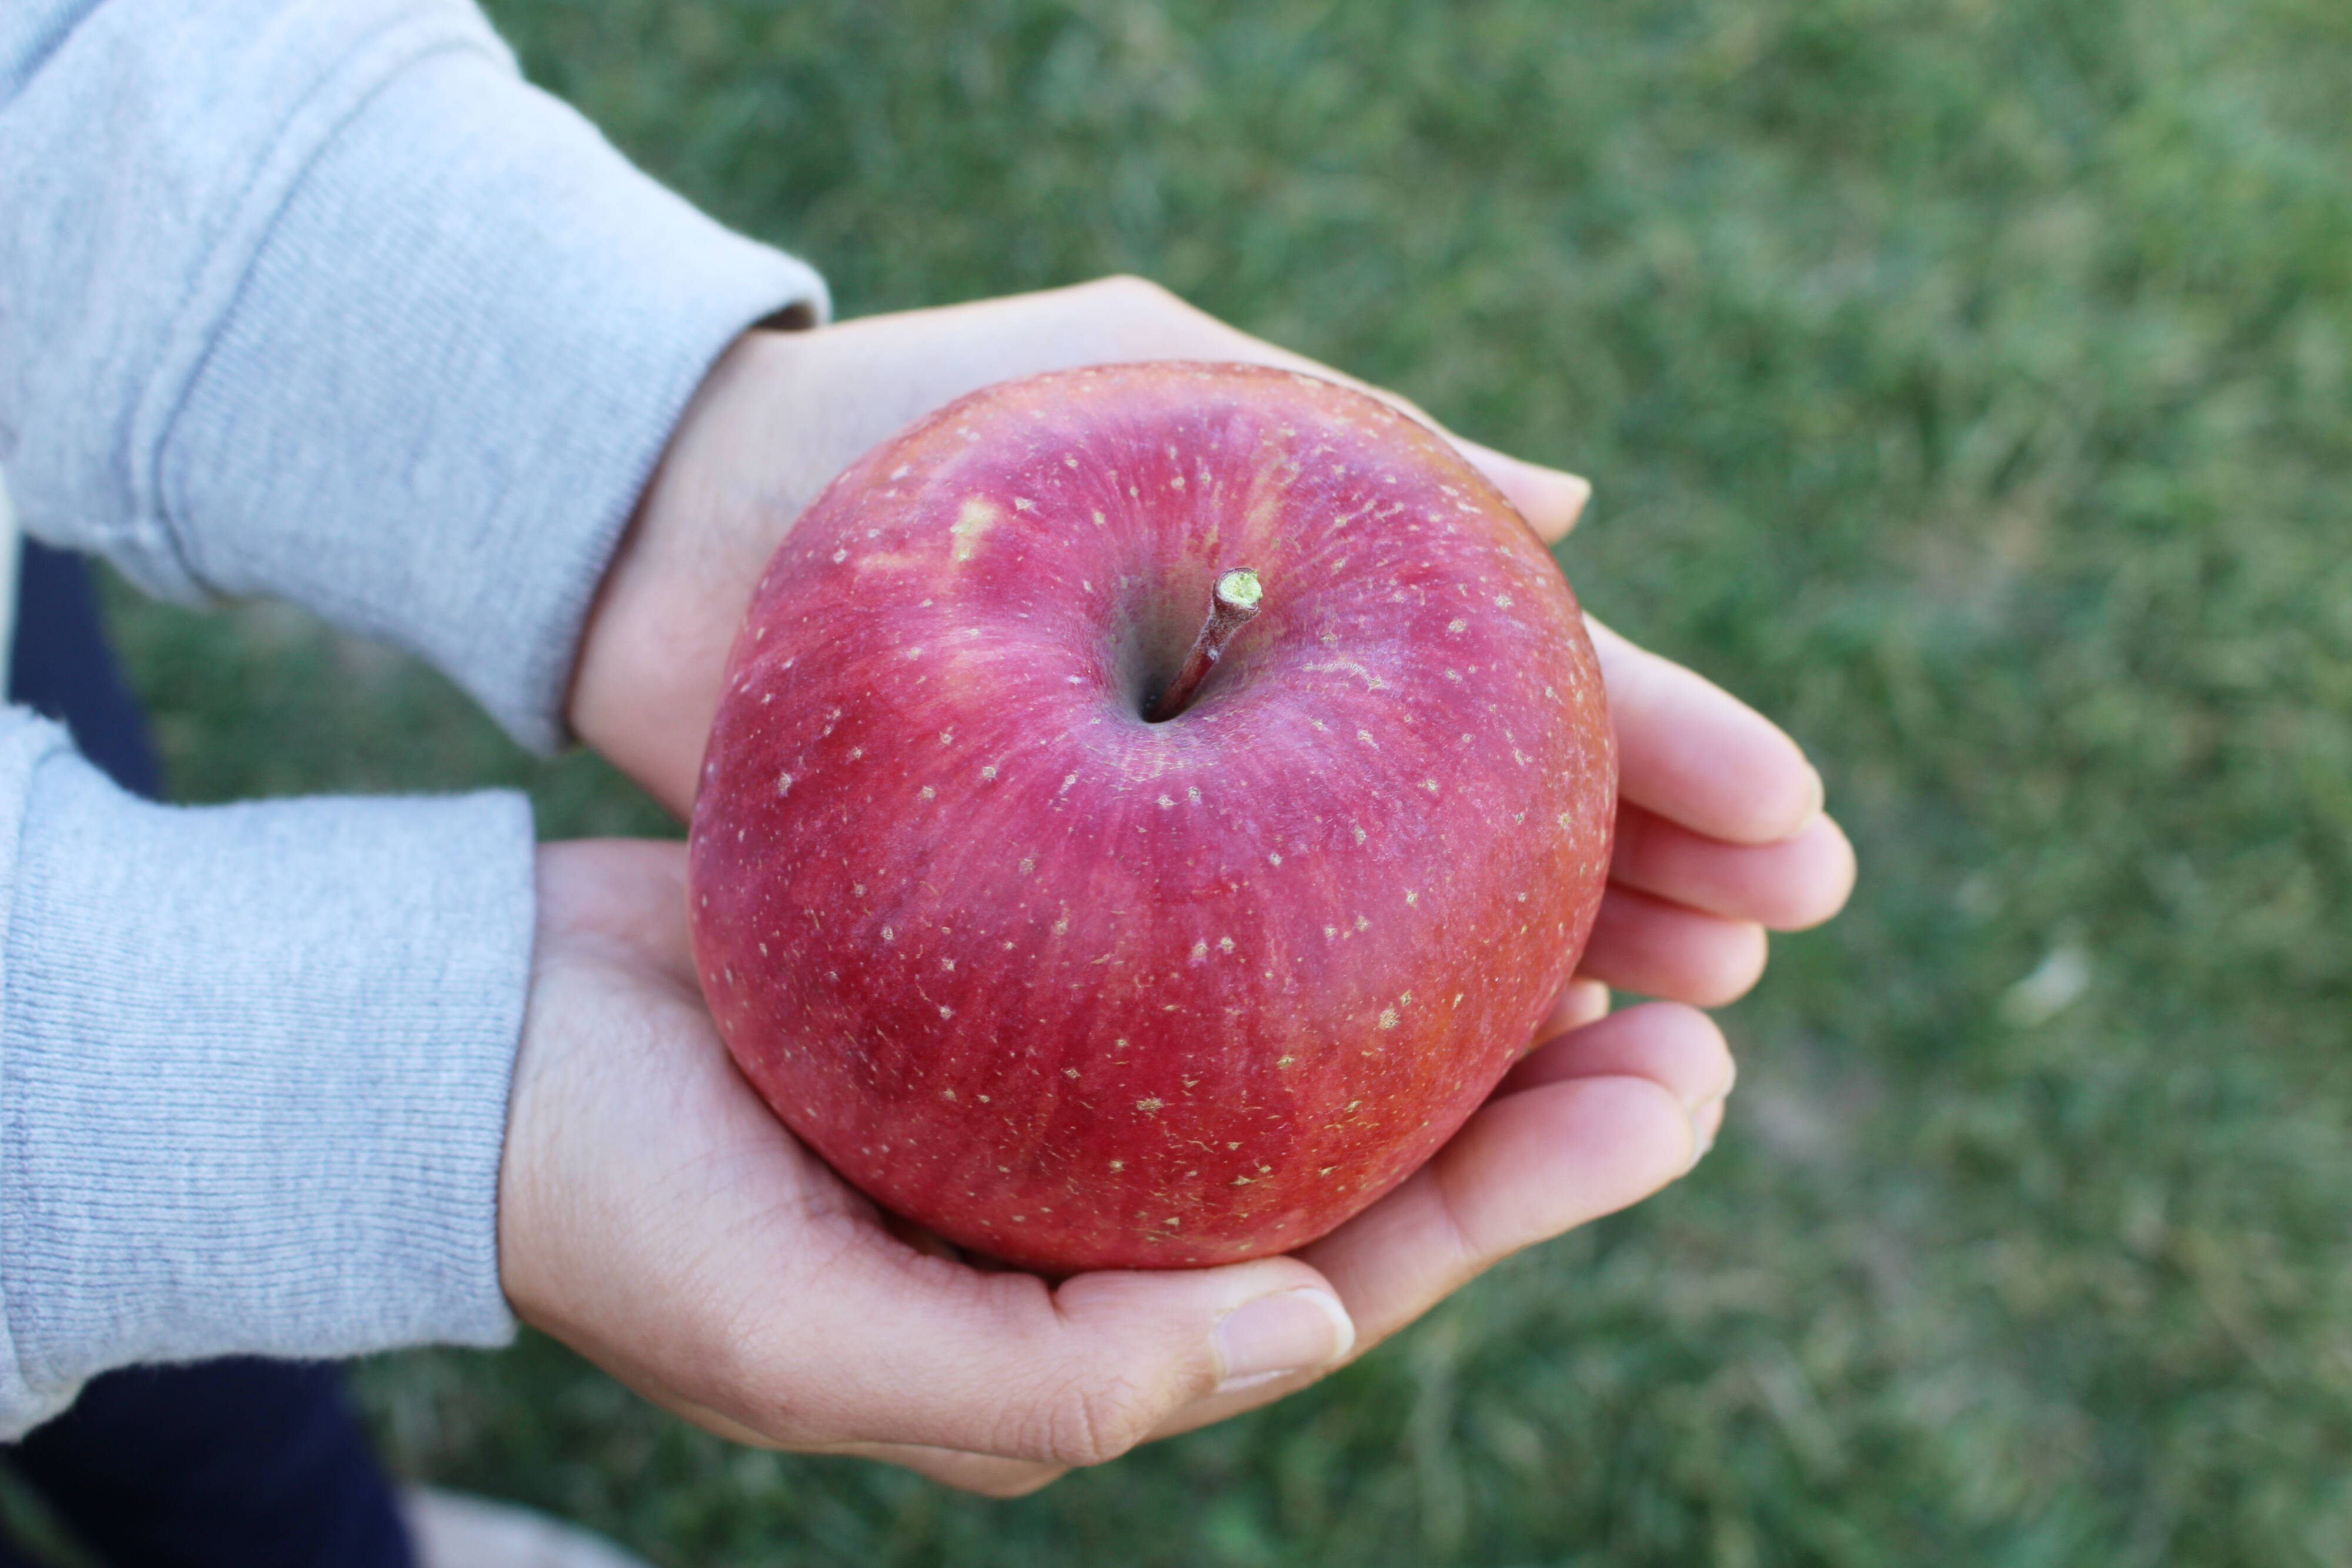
1230 607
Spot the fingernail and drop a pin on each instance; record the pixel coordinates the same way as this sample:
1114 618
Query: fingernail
1274 1336
1821 794
1702 1140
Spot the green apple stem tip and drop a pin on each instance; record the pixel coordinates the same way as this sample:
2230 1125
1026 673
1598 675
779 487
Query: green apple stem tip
1231 606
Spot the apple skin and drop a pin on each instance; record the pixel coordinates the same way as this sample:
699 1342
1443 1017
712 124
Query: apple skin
1081 991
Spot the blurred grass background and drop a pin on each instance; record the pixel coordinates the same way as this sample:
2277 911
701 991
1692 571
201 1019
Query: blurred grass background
1966 383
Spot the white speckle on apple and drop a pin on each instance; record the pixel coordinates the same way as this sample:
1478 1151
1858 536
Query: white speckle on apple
1224 944
1199 949
1273 857
948 964
839 556
783 784
1028 866
1098 519
946 1011
1363 924
889 935
1192 793
857 890
1330 931
1148 1106
929 793
1023 503
1320 726
973 519
1456 625
901 472
1165 803
1502 601
1412 896
1359 832
988 774
1388 1018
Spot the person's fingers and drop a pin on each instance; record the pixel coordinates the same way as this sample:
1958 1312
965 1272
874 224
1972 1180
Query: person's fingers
1550 499
1790 885
1675 1047
1581 1001
1526 1167
1694 754
889 1345
1708 1121
981 1473
1662 949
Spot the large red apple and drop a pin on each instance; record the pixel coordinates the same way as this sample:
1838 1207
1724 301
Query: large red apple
1083 990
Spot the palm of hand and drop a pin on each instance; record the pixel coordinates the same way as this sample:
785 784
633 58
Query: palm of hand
655 1215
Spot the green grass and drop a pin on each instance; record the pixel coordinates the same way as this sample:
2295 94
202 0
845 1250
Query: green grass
1966 382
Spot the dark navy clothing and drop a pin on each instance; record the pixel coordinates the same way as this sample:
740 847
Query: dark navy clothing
225 1464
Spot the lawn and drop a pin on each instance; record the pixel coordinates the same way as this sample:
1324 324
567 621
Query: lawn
1968 384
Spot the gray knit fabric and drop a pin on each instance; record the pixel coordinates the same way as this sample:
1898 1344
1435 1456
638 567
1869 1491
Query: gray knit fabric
315 298
312 299
253 1072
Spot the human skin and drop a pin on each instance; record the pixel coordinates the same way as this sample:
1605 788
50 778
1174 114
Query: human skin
653 1215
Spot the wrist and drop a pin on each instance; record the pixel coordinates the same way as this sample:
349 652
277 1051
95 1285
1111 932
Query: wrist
654 649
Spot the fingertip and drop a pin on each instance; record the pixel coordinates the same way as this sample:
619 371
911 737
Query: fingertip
1831 872
1669 1043
1550 499
1660 948
1750 950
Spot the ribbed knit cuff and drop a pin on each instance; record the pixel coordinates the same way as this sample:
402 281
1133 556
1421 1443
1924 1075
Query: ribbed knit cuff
253 1066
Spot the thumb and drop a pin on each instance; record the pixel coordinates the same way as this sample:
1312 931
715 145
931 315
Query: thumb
909 1348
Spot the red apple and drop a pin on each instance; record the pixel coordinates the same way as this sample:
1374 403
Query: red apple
1082 990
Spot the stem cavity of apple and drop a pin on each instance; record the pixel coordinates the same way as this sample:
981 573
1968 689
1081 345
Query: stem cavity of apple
1230 607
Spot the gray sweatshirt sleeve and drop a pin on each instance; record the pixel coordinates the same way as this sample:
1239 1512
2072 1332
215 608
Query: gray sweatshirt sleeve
312 299
315 299
253 1064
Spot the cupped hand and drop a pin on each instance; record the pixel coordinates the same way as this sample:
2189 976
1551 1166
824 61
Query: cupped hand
726 1273
1721 835
655 1215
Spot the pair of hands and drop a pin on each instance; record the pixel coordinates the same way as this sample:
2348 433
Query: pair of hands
656 1215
